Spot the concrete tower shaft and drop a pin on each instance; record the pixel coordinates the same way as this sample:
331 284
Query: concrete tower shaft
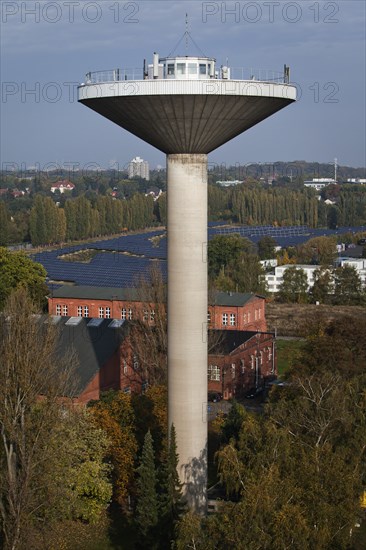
187 318
184 109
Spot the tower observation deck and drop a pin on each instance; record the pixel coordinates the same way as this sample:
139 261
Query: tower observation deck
187 107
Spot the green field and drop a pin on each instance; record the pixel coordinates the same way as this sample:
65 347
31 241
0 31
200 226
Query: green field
287 352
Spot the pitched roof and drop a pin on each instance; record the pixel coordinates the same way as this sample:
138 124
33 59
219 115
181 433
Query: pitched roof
97 293
223 342
92 345
233 298
135 295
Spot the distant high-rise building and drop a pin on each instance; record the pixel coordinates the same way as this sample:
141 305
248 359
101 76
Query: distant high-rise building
139 167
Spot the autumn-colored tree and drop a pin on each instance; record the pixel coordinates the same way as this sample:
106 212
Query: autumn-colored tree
115 415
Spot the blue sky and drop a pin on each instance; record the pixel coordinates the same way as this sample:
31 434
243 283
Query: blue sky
48 46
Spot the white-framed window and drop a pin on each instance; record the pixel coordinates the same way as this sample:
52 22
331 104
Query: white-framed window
86 311
170 68
152 315
203 68
65 310
232 319
261 357
225 319
233 370
130 314
255 315
245 318
146 315
269 353
248 316
135 362
125 367
123 313
214 373
192 68
101 312
80 311
259 313
107 312
58 309
252 360
181 68
209 317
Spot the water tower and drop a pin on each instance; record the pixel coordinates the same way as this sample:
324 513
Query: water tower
187 107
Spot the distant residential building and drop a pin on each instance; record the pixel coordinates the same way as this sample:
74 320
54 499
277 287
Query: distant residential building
62 186
319 183
269 263
229 183
139 167
274 279
358 263
361 181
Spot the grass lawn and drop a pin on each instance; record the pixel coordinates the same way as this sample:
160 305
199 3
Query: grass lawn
287 351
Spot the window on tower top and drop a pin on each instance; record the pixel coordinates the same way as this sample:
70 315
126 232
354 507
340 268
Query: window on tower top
181 68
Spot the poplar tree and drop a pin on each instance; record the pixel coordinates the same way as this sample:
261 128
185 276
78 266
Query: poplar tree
147 499
4 224
172 502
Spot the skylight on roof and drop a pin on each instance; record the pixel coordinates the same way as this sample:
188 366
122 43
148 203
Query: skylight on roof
116 323
73 321
95 322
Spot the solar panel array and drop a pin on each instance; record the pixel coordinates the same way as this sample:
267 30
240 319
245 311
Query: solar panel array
123 260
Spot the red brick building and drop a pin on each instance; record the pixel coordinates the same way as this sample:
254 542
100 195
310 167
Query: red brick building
240 361
229 310
96 322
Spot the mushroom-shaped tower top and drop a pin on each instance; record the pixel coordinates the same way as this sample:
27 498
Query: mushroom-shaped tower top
185 104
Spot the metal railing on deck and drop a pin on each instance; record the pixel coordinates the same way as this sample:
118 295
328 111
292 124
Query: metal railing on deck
236 73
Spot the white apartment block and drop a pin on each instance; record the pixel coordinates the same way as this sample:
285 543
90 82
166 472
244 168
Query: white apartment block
139 167
275 278
358 263
318 183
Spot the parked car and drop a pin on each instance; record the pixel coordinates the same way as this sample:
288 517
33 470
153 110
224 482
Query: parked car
214 396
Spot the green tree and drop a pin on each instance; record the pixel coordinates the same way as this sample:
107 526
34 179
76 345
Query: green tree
52 463
319 250
347 285
18 270
224 251
172 499
4 224
294 286
323 284
147 507
266 247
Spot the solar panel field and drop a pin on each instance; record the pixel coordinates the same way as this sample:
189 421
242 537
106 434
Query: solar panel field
121 261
